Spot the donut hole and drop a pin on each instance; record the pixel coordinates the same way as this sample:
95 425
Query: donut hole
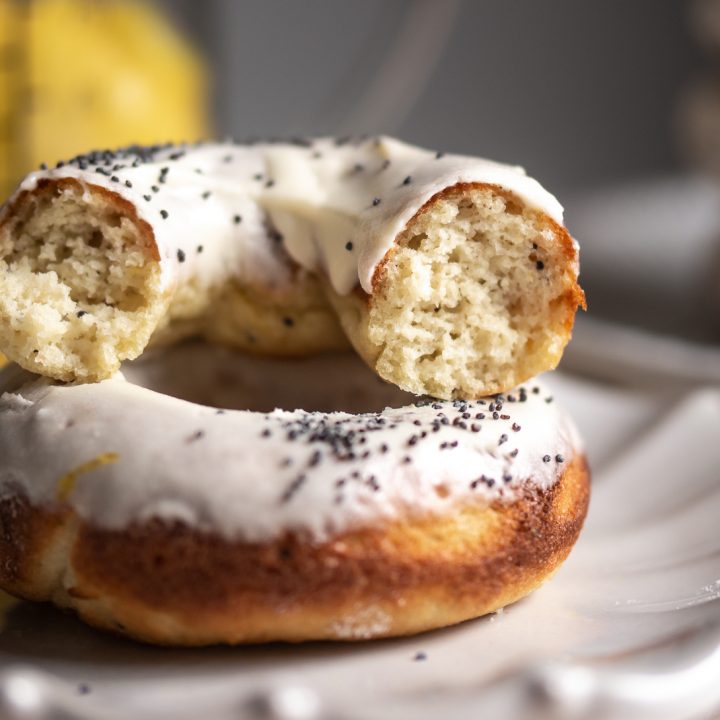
485 278
229 379
79 286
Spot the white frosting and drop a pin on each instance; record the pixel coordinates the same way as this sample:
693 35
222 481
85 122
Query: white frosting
319 195
118 452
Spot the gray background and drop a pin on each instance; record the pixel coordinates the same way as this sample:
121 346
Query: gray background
584 93
581 92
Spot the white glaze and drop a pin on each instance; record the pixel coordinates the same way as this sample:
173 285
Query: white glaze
232 480
320 197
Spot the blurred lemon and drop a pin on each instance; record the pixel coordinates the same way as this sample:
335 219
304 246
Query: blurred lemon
81 74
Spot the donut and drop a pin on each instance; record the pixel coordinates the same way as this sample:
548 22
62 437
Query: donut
177 523
451 276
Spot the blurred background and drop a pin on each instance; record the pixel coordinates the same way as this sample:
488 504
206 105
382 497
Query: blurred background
613 105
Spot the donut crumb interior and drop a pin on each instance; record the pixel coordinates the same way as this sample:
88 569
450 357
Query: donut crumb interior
480 292
77 282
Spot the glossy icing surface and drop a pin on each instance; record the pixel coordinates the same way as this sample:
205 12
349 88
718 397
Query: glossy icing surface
335 206
118 452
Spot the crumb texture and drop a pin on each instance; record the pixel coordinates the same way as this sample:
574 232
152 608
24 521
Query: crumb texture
79 287
479 295
473 295
81 290
293 319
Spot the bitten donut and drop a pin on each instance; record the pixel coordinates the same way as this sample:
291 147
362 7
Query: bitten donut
452 276
184 524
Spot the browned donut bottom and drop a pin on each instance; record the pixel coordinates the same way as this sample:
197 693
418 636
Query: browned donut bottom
171 584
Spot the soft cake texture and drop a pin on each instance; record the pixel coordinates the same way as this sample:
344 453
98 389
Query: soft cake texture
478 295
451 276
81 290
79 281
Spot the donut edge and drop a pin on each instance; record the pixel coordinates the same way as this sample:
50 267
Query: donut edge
173 585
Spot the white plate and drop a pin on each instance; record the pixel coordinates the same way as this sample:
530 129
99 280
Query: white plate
651 265
638 596
633 356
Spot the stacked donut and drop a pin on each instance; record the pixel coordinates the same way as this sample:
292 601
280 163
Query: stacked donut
424 479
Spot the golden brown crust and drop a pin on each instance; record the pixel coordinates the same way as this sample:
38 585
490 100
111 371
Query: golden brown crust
294 321
170 584
32 544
